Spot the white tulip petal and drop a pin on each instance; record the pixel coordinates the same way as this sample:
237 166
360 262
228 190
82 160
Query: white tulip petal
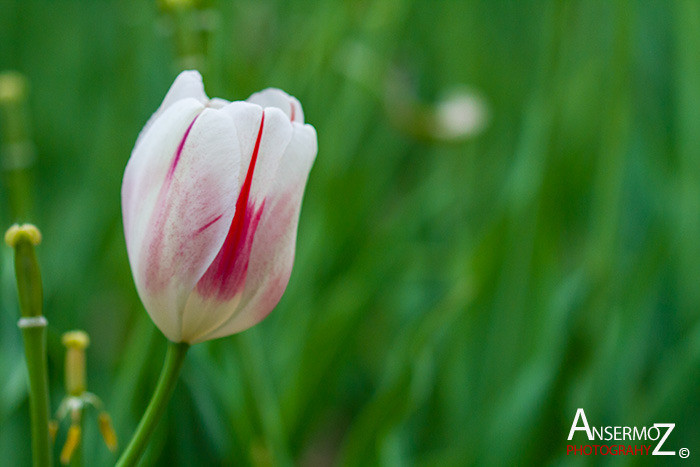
187 85
151 159
272 253
272 97
177 213
221 286
217 103
276 131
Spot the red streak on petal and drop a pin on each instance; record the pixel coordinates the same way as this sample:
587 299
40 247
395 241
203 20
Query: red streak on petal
209 224
226 274
178 153
291 116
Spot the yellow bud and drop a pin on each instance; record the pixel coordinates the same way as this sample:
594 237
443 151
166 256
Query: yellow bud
17 232
72 442
11 236
76 342
76 339
53 429
29 290
13 87
105 423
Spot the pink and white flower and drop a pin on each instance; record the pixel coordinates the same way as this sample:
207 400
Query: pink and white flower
211 198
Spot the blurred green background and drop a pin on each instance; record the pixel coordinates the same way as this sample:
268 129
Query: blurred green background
455 298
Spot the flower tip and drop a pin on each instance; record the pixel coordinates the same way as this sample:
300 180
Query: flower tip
76 339
190 76
18 232
13 87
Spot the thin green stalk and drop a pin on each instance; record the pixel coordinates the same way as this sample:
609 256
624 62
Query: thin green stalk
35 353
164 389
33 325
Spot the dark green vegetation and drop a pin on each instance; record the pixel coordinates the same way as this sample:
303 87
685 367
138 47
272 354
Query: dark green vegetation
452 302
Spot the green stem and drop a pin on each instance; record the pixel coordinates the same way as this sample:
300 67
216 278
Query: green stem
164 389
33 326
35 352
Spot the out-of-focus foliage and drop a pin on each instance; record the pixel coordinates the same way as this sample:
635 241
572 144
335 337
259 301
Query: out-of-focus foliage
453 301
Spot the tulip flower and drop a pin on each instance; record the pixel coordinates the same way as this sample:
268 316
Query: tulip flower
211 198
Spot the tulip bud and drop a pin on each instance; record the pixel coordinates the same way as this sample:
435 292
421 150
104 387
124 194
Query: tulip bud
211 199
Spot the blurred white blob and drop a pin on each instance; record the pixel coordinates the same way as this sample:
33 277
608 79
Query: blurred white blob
460 114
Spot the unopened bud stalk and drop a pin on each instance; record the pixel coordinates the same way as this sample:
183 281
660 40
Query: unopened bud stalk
23 239
33 325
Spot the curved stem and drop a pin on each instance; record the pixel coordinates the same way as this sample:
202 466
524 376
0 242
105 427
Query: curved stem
164 389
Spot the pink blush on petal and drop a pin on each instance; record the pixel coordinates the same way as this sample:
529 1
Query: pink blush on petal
154 274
